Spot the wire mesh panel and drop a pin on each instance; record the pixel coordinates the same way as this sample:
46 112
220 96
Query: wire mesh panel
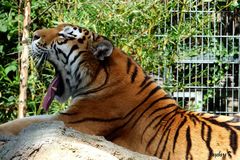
205 76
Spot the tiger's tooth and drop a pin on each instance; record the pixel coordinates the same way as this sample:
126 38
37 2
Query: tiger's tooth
54 88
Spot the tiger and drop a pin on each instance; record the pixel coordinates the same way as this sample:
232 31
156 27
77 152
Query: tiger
113 97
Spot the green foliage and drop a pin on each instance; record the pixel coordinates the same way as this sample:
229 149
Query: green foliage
9 82
234 5
9 78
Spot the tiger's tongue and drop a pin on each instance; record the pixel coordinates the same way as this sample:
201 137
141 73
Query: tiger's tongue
51 91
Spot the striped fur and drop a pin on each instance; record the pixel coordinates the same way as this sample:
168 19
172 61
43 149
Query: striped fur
114 98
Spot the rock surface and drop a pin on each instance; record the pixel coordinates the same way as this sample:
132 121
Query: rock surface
54 141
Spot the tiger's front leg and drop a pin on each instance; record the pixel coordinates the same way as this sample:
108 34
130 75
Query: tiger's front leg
15 126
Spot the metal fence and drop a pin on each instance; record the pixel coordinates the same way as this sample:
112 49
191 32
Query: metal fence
209 80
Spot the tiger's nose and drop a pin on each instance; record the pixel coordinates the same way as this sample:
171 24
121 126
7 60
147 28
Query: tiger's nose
36 36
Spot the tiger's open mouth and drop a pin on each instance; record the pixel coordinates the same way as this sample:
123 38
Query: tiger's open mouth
54 89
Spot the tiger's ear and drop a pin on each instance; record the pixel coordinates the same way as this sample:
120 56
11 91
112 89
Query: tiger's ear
102 49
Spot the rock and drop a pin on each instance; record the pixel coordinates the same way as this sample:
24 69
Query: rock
54 141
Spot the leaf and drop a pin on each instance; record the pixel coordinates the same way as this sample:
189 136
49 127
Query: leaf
11 67
3 28
1 48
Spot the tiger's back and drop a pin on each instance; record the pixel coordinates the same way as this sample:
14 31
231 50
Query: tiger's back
144 118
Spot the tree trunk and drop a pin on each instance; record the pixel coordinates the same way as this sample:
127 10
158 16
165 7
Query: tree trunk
53 141
24 61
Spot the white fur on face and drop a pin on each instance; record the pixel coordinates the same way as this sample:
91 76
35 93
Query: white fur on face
69 31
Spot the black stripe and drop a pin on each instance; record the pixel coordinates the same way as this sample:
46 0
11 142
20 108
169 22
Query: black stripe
214 116
177 132
169 156
152 104
68 72
134 74
203 130
77 72
194 121
227 127
79 81
64 62
68 82
200 114
208 141
95 36
161 108
208 137
169 122
52 43
61 52
71 33
93 79
80 30
103 85
61 34
152 138
153 91
194 118
162 118
115 133
129 113
86 32
68 113
189 142
182 113
77 56
77 75
148 84
233 141
163 132
56 51
74 47
164 146
81 40
97 89
146 78
95 120
149 124
236 127
129 63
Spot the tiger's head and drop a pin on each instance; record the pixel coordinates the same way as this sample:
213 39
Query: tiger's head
78 56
